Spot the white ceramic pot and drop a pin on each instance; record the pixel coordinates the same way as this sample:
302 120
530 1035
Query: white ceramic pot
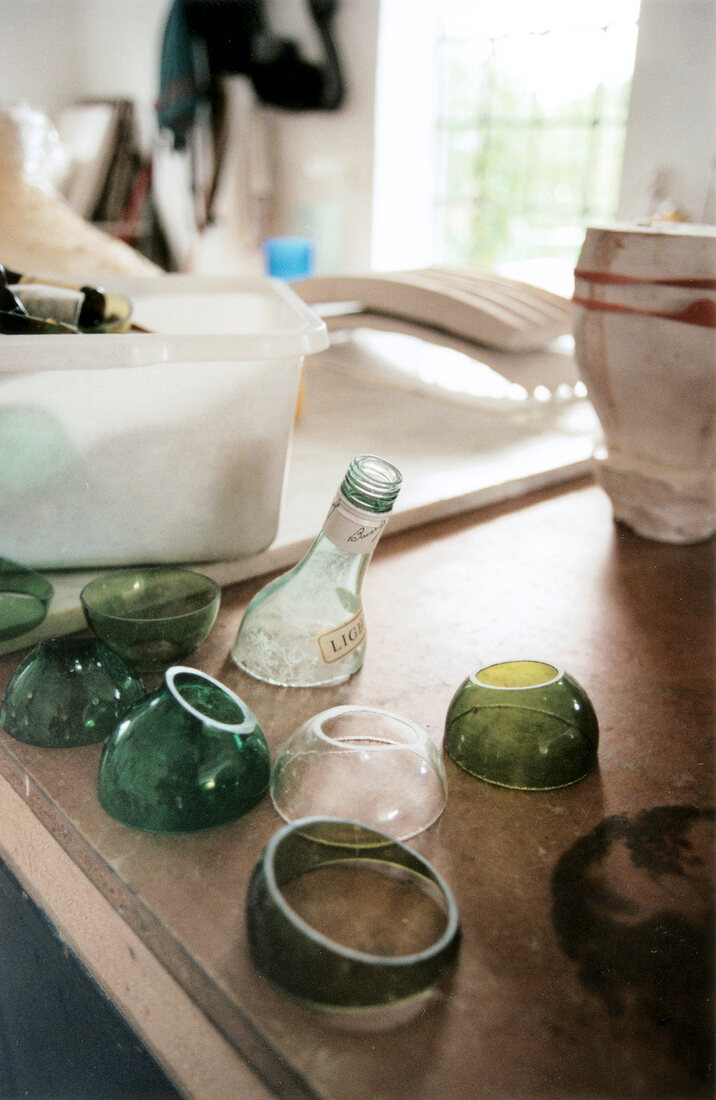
644 317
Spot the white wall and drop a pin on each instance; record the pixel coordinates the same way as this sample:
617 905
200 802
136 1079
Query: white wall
330 165
406 106
325 159
55 51
670 150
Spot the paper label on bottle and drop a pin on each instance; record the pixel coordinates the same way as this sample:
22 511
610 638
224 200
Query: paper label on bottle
343 640
350 528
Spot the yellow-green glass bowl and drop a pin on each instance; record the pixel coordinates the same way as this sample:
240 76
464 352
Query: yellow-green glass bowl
117 315
522 724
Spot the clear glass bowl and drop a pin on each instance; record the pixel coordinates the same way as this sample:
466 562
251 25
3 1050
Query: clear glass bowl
154 617
187 756
25 598
69 691
365 764
522 724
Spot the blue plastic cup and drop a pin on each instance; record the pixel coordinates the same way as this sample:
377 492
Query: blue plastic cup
288 257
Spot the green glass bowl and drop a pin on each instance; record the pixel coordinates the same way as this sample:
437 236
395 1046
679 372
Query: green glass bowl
522 724
154 617
69 691
187 756
25 598
346 917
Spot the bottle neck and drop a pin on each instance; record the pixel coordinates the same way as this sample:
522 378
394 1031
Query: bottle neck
362 505
371 484
355 530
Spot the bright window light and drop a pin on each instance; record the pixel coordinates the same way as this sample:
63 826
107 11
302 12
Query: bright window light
516 133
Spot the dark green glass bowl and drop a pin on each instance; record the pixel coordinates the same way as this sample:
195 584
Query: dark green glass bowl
116 315
345 917
69 691
522 724
188 756
19 324
154 617
25 598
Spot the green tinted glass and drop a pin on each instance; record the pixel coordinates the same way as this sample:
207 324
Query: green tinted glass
188 756
68 691
522 724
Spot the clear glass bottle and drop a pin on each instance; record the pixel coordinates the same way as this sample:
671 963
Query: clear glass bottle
306 628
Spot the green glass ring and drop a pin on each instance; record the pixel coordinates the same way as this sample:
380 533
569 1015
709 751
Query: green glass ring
25 598
153 616
313 966
68 691
522 724
188 756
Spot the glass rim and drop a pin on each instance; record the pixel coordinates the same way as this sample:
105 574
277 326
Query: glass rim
316 724
22 576
427 873
536 685
364 462
213 591
249 723
371 480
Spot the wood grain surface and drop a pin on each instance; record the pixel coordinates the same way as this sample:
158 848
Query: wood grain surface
585 966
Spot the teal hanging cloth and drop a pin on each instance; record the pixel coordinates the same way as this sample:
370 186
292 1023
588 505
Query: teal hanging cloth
180 91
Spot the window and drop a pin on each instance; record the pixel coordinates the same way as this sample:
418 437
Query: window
516 136
532 112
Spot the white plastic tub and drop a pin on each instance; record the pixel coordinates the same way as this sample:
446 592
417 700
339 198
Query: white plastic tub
167 446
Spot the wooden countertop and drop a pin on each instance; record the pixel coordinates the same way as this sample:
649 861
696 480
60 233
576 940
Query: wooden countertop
586 960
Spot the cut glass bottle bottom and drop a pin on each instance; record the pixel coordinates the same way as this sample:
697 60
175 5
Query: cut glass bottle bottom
522 724
68 691
188 756
24 599
154 616
365 763
347 918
